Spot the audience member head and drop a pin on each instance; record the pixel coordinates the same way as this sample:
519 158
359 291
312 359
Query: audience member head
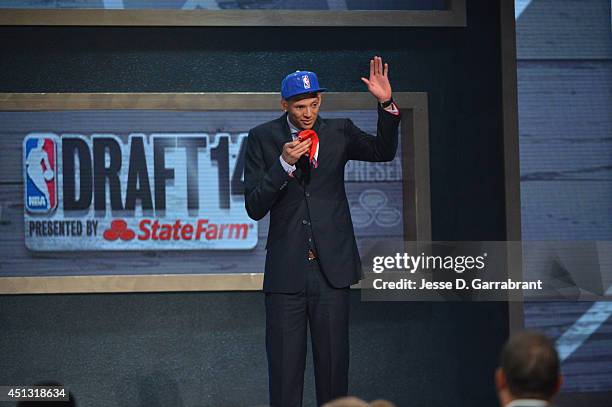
529 369
355 402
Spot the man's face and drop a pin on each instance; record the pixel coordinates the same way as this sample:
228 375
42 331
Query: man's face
303 110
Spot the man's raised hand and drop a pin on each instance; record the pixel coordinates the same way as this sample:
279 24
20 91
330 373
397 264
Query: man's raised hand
378 83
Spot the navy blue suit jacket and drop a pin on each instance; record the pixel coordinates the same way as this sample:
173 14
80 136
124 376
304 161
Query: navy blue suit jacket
321 204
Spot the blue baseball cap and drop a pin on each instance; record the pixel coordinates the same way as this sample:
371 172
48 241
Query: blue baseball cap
299 83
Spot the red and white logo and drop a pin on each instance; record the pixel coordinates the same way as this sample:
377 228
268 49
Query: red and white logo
119 230
40 169
202 229
306 81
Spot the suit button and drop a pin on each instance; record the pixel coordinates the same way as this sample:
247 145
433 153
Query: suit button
310 239
304 222
307 194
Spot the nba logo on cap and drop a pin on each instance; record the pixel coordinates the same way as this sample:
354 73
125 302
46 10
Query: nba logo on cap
300 83
40 172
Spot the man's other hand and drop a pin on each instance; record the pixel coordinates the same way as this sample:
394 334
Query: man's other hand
293 150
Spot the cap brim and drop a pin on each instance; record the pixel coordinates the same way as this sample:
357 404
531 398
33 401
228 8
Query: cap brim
306 92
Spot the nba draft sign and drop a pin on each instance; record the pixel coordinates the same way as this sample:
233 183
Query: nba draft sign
140 192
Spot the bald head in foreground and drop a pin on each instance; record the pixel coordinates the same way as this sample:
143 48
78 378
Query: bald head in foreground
529 374
355 402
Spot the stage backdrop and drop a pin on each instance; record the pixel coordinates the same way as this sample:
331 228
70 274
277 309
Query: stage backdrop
207 349
130 182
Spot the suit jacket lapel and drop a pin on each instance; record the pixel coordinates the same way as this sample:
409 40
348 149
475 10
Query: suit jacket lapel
319 127
284 135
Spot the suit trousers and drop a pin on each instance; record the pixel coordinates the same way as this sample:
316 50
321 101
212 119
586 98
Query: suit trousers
326 310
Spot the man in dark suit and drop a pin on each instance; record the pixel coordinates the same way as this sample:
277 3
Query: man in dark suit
294 169
529 373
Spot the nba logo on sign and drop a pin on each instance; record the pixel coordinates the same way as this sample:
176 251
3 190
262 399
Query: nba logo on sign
40 172
306 81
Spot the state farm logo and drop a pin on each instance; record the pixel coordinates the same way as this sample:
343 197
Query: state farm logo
202 229
373 208
119 230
